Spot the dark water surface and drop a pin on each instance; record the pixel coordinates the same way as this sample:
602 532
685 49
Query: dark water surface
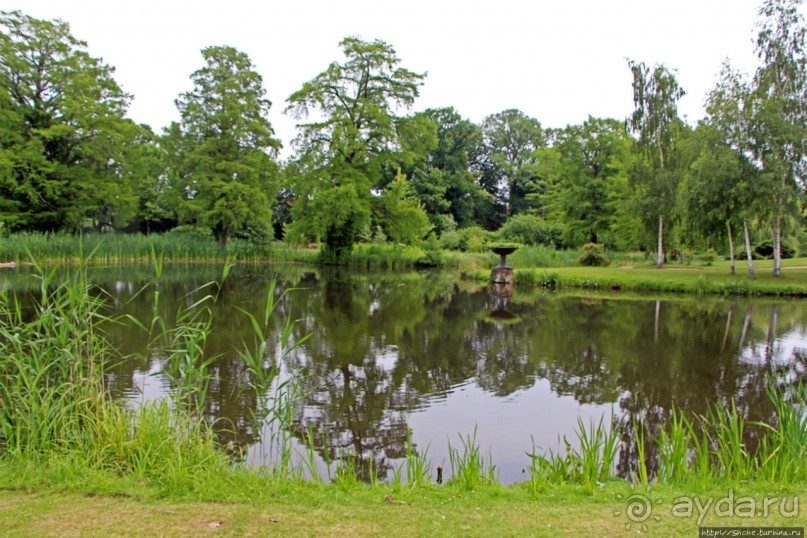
421 350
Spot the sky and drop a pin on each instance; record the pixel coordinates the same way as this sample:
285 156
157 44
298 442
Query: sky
556 60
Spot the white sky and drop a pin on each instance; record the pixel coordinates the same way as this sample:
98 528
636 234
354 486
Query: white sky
556 60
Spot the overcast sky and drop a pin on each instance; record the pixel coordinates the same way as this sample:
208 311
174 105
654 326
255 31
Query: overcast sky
556 60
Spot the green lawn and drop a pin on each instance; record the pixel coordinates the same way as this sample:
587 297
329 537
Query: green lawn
328 510
673 278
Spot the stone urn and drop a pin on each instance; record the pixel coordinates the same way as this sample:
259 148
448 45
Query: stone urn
503 274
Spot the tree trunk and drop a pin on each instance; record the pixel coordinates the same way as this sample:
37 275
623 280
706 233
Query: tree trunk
751 271
731 249
225 235
748 254
660 260
777 241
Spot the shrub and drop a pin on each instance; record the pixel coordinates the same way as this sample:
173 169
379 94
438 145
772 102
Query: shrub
472 239
532 230
765 250
593 255
434 256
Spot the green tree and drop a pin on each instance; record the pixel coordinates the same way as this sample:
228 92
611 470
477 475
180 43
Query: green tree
506 161
400 213
440 172
62 127
655 96
712 190
226 147
733 199
780 108
156 201
592 155
342 153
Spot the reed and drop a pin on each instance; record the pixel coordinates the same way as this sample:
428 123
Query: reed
588 458
469 468
733 459
417 463
783 449
674 444
641 474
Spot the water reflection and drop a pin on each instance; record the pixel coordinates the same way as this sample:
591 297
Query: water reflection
421 350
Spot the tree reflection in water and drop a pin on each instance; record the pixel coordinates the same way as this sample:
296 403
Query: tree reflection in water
386 345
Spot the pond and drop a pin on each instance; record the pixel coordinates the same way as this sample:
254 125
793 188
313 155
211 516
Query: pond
425 357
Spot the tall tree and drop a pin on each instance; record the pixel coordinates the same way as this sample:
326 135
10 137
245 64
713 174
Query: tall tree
592 156
730 113
655 96
780 107
342 153
440 173
506 159
227 144
63 129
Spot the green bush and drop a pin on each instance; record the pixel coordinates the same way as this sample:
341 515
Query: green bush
434 256
471 239
532 230
765 250
593 256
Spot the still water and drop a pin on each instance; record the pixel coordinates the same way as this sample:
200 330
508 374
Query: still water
441 357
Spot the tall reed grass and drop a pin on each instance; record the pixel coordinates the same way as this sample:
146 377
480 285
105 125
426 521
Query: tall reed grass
108 247
470 469
588 458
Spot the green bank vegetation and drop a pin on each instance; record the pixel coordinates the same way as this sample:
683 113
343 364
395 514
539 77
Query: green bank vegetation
535 266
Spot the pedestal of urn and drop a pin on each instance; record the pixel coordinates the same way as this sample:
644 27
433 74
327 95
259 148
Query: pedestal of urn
503 274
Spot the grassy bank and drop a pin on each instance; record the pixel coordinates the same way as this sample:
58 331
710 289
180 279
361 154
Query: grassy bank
315 510
714 279
534 266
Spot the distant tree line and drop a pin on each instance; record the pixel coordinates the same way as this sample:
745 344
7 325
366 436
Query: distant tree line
365 169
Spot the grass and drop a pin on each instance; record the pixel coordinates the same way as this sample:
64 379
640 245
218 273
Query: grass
317 510
674 278
534 266
119 247
469 467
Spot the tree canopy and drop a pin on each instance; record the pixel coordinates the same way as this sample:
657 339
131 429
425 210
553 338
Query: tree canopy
227 148
342 153
62 130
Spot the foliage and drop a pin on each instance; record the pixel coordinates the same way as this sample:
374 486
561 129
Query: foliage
63 135
593 256
593 158
439 148
471 239
401 214
532 230
341 156
225 172
506 162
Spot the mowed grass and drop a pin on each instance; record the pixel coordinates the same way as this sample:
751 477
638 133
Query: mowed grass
323 510
672 278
